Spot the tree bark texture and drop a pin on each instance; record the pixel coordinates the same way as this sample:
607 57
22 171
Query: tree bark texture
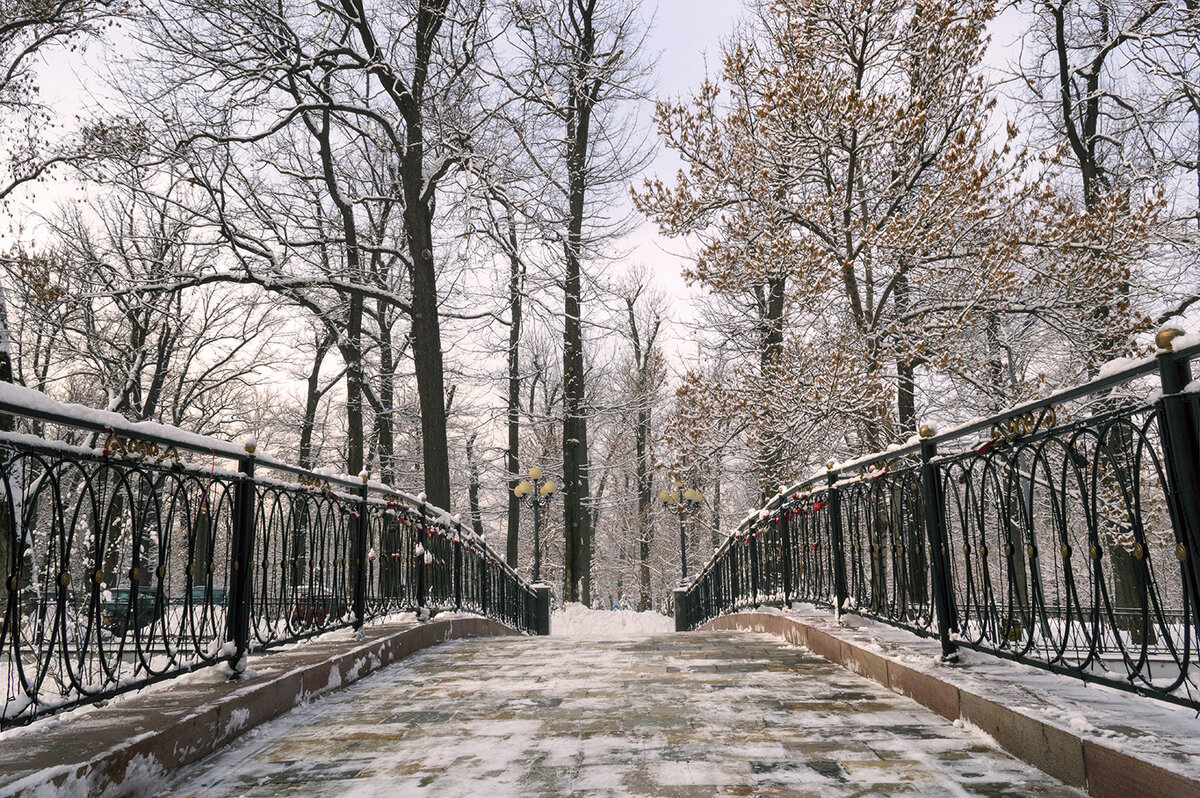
577 522
473 487
418 227
351 344
312 401
513 453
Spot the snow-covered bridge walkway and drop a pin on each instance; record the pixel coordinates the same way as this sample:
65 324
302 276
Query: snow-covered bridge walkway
699 714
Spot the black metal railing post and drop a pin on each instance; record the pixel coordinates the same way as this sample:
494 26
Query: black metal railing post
1181 436
423 557
833 506
785 551
716 587
733 556
360 557
499 596
458 567
241 552
542 611
755 565
683 615
485 581
934 506
682 552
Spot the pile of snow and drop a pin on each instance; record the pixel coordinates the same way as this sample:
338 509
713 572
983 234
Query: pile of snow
576 620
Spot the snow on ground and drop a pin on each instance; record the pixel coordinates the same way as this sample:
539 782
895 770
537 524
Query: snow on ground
576 620
534 717
1163 734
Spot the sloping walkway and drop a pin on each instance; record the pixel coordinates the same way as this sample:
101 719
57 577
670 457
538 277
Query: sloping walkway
669 715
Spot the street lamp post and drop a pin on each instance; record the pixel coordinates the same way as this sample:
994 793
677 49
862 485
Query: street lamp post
536 492
682 505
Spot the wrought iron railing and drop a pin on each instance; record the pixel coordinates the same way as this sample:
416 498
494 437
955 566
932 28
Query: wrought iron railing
1064 533
137 552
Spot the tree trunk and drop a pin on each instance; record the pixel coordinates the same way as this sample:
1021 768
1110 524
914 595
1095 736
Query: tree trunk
770 350
351 346
906 398
576 515
576 511
385 416
418 230
642 455
312 401
645 498
473 486
427 338
906 387
717 536
512 456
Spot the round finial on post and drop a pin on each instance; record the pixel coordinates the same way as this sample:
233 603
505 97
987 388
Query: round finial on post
250 444
830 465
364 475
928 430
1165 340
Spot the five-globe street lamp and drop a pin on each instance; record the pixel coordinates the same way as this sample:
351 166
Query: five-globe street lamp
683 505
536 492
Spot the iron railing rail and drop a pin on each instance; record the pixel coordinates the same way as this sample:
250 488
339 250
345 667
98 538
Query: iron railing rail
1067 538
150 552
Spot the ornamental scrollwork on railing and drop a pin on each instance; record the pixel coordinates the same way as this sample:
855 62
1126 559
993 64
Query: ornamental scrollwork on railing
139 451
1013 429
309 482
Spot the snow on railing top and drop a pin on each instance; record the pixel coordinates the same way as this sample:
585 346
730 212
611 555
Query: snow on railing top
18 400
1112 374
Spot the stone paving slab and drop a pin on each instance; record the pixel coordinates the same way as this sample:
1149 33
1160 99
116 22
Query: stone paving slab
129 746
1115 743
672 715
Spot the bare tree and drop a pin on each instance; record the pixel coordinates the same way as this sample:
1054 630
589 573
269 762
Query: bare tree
644 317
185 357
325 77
1111 84
29 30
573 69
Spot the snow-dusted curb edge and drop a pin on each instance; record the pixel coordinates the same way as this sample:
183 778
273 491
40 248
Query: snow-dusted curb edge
138 764
1067 755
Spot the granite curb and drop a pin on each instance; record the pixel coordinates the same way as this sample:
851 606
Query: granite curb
128 748
1069 756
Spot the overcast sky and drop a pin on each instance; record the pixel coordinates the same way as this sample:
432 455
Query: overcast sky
685 40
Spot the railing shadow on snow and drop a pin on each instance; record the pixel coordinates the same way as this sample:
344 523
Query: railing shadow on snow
1063 533
135 552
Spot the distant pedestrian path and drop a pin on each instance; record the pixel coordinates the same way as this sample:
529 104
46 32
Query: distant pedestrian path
711 713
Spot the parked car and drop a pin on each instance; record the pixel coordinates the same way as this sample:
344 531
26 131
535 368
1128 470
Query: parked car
117 609
315 609
220 596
